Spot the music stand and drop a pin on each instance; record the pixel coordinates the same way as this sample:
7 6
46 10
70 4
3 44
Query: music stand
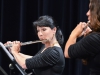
13 60
2 71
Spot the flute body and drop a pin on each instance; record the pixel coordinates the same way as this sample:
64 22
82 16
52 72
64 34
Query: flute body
27 43
88 23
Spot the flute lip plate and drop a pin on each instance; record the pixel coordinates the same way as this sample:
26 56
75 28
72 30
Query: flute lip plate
44 40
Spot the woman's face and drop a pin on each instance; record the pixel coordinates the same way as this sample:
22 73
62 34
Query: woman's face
88 14
45 33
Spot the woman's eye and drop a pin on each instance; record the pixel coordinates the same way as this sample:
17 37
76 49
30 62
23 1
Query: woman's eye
37 30
44 29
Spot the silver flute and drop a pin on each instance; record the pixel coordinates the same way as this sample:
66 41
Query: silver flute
88 23
27 43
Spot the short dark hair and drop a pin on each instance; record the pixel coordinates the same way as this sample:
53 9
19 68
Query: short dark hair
48 21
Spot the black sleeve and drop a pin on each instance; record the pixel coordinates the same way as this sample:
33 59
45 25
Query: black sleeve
48 58
86 47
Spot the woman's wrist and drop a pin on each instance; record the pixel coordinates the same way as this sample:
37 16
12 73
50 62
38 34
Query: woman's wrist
73 36
14 52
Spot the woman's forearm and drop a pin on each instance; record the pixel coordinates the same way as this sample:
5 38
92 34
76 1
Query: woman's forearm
25 56
20 59
71 40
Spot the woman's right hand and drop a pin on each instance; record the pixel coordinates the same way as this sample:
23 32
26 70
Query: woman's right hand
87 31
78 30
82 29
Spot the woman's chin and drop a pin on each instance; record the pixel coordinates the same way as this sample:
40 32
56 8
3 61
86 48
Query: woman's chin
43 43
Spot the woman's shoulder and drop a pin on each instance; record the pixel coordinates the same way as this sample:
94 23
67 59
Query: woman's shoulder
92 38
57 47
54 49
93 35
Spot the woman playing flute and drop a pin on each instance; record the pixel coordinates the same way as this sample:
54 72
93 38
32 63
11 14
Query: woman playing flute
50 59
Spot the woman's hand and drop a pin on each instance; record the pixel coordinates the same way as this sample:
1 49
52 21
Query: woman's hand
15 46
87 31
79 30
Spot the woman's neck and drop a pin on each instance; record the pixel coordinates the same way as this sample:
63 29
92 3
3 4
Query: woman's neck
51 43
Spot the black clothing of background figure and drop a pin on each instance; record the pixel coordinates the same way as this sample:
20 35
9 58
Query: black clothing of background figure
50 59
89 46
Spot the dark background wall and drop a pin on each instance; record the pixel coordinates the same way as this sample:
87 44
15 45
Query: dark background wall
16 17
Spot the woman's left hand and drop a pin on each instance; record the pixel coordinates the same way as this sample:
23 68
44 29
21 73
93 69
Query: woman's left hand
15 46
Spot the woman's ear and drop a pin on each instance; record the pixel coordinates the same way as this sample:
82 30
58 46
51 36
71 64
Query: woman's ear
54 29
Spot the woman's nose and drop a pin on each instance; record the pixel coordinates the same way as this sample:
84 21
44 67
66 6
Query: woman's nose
88 13
40 33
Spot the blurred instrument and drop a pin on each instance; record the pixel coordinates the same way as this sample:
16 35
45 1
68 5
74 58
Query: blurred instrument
27 43
88 23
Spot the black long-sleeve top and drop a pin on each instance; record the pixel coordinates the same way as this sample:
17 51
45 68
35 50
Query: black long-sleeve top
88 47
50 62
